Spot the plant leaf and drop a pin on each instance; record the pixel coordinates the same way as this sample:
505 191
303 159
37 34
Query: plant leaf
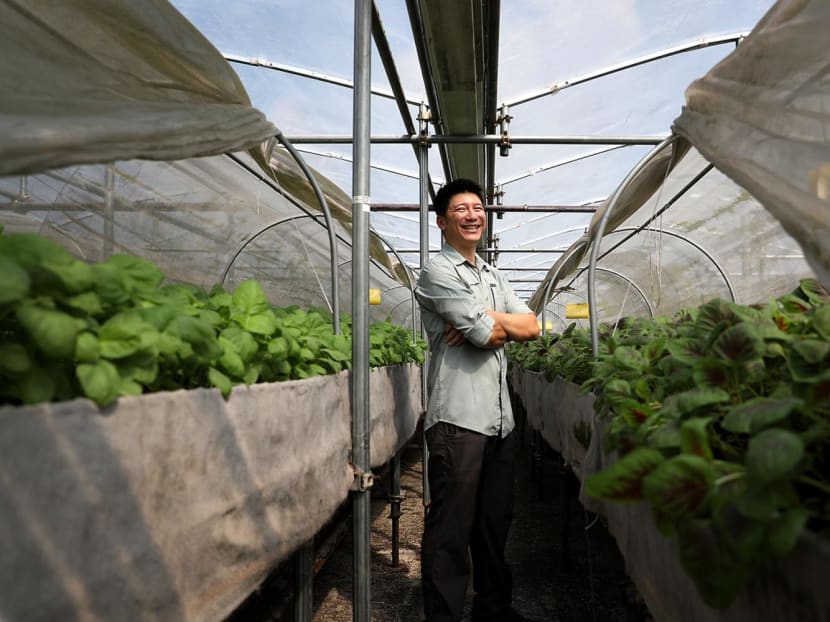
260 323
813 291
36 385
125 334
783 533
198 334
714 570
14 281
694 439
821 321
811 351
241 341
14 359
765 502
52 331
693 400
249 299
759 413
230 360
740 343
88 302
711 373
679 486
773 455
100 381
623 480
714 316
687 350
138 275
219 380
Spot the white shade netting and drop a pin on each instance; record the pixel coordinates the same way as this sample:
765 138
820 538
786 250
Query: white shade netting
115 80
205 221
713 239
761 116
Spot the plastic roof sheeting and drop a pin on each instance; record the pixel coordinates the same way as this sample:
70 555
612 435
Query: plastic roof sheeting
202 221
97 81
715 240
762 116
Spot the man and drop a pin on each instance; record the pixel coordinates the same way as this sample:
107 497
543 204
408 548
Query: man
469 311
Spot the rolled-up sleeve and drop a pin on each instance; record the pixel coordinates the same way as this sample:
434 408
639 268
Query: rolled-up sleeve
441 291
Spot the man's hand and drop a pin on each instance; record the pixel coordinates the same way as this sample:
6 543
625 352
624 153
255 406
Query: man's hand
516 326
453 336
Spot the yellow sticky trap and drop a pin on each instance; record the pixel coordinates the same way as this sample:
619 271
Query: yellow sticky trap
374 296
576 310
547 327
818 180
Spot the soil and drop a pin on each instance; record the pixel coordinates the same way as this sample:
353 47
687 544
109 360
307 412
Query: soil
566 566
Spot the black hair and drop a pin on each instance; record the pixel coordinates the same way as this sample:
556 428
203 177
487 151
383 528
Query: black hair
450 189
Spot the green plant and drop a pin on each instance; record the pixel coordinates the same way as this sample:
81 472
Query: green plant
720 417
69 329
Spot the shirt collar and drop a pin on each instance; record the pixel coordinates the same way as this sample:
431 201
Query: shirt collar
458 259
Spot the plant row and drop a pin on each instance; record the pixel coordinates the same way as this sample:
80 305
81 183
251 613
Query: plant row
69 329
720 420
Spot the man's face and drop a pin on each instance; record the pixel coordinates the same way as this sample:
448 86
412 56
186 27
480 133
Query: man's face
463 224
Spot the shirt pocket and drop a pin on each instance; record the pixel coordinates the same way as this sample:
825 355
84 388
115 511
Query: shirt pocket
480 289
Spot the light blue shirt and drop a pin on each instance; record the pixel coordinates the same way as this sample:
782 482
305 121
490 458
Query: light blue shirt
466 384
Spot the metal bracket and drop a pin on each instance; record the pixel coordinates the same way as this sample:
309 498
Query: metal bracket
503 120
424 117
363 480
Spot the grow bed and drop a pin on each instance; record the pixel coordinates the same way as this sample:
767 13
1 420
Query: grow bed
791 588
175 505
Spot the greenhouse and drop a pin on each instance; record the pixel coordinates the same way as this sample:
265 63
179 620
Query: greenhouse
213 217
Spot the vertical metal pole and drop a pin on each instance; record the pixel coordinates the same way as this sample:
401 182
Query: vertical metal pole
362 599
109 188
23 195
395 500
303 582
423 202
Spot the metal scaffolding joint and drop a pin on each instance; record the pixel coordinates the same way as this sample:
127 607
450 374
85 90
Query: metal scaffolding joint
363 480
503 120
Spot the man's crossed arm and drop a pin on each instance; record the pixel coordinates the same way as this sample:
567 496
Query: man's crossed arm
506 327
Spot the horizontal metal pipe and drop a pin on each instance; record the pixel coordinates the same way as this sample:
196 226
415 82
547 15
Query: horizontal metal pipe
484 139
494 250
305 73
413 207
641 60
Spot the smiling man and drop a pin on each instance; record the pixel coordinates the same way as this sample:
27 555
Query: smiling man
469 312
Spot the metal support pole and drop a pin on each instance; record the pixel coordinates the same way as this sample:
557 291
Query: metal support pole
361 495
109 200
303 582
600 230
423 176
395 500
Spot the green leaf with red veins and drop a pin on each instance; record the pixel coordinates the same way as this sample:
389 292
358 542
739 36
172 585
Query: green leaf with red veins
623 480
694 437
679 486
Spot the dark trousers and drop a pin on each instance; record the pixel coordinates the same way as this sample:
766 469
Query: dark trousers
471 508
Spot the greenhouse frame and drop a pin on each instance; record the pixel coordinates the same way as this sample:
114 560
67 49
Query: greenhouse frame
240 162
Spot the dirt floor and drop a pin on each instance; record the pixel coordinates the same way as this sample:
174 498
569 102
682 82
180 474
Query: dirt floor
566 567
